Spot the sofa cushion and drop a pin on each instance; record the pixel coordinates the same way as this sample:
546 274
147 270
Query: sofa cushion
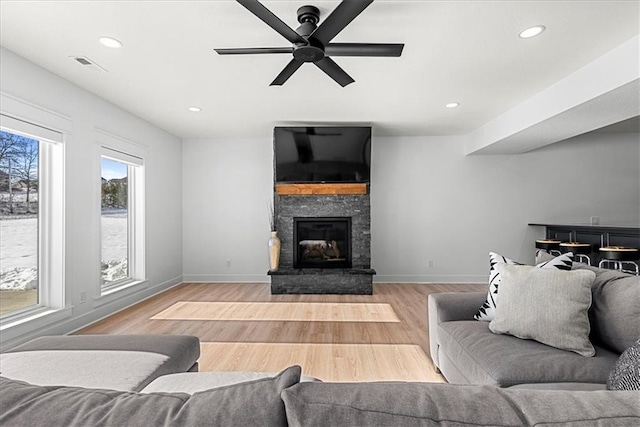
255 403
395 404
483 357
136 360
575 409
487 310
548 305
116 370
184 350
425 404
193 382
626 374
615 311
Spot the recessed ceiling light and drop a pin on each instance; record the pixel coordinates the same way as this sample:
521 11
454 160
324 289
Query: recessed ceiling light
195 109
110 42
452 105
531 32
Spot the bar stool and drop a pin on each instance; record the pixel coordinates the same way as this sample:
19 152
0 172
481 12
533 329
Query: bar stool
550 245
580 250
618 256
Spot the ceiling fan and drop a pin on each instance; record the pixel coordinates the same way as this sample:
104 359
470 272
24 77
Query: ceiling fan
312 43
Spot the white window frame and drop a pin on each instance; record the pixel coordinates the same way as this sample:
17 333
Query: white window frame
51 245
135 221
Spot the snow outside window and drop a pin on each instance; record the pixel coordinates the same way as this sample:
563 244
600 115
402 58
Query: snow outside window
122 220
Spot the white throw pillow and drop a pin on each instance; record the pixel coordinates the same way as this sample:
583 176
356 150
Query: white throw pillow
487 312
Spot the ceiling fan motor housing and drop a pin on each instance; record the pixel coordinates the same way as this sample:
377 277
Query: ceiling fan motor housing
312 52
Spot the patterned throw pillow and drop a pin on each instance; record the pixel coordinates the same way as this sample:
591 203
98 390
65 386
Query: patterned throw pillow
487 312
626 373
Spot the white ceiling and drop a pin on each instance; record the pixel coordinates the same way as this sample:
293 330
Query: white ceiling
464 51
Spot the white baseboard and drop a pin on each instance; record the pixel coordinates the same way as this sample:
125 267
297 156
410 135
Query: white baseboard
400 278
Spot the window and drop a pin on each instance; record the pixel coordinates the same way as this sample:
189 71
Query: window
31 218
122 226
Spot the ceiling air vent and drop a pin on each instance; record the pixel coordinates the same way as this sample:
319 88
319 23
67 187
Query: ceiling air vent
88 63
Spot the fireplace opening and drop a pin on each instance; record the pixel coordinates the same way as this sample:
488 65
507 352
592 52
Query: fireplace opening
322 243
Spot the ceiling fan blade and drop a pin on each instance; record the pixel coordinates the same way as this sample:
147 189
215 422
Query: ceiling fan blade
363 49
341 16
264 14
334 71
253 50
287 72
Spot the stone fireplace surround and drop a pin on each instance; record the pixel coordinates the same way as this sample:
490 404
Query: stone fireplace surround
355 280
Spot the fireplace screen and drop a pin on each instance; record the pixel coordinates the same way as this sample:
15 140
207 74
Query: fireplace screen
322 243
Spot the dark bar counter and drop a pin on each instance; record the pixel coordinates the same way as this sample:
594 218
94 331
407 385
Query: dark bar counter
597 235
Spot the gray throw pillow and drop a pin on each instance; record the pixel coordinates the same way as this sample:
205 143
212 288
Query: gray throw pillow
253 403
547 305
626 374
615 312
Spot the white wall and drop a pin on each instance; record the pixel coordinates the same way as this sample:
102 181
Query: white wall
227 184
88 115
429 202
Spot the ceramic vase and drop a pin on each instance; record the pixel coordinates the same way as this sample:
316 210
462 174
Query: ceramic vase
274 251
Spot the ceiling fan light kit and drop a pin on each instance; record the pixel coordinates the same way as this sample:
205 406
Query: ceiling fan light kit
312 43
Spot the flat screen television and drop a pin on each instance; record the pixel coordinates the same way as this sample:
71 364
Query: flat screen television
322 154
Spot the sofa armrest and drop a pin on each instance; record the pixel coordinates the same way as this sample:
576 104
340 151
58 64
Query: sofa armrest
447 307
450 306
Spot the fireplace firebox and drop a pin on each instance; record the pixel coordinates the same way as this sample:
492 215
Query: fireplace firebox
322 243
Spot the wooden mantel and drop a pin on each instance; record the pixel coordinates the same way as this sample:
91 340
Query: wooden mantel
314 189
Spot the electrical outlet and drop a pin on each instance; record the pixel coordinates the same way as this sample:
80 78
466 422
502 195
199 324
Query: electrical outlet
228 263
594 220
430 263
83 296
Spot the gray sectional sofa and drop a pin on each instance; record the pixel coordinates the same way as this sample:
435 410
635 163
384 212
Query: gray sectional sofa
467 352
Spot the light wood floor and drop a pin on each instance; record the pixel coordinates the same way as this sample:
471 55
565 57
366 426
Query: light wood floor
279 311
377 337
